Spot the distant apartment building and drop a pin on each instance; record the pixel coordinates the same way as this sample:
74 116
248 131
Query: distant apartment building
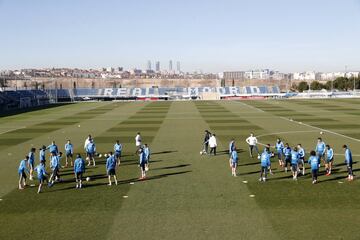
148 65
258 74
236 75
157 66
170 65
304 76
178 67
276 75
110 69
333 75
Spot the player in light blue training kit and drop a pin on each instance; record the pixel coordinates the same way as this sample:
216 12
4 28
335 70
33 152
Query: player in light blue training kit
117 151
231 146
314 164
110 168
294 162
53 148
79 170
234 161
320 150
69 152
279 147
31 162
287 156
42 155
348 162
301 164
147 156
329 159
90 152
265 163
55 167
22 172
41 175
142 163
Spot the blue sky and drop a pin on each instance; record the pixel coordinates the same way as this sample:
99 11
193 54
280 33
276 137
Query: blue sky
205 35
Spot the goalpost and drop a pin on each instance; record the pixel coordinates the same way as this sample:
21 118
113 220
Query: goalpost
210 96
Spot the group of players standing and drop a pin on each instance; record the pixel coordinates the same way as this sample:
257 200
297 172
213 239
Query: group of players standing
287 156
113 160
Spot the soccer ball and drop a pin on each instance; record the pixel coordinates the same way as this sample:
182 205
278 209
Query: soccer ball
105 155
100 155
321 133
87 158
259 156
88 179
201 152
78 125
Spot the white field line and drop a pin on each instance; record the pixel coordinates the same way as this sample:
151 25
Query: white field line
249 106
310 126
12 130
322 129
288 132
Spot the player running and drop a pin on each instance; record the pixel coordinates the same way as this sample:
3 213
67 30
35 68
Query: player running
349 162
147 156
314 164
294 162
301 153
69 151
329 160
320 150
279 147
90 152
31 162
79 170
110 168
41 175
287 156
234 161
252 142
21 171
117 151
265 164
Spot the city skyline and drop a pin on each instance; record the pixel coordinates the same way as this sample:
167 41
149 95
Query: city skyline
204 35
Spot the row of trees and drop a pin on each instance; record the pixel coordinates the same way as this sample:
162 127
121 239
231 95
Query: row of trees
341 83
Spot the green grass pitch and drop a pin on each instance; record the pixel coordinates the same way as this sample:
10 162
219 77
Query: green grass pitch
186 196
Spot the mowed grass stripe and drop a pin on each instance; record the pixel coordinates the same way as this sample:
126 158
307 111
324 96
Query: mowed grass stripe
95 203
281 193
42 128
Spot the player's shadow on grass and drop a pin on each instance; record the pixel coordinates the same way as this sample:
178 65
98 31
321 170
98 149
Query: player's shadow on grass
334 179
279 178
165 175
342 164
164 152
172 167
136 162
249 164
128 181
